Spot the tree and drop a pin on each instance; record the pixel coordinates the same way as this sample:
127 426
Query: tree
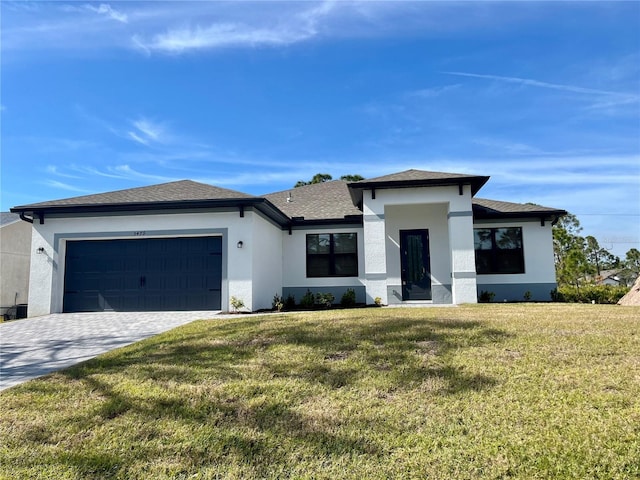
579 259
599 258
325 177
631 269
352 178
565 239
575 268
317 178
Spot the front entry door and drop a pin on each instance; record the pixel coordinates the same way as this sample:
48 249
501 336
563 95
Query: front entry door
416 278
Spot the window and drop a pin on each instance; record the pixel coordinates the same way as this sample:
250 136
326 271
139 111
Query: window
332 255
498 250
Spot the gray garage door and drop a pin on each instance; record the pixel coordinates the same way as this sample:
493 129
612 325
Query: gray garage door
153 274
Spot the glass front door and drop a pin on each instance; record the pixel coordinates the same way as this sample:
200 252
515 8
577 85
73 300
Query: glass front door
416 277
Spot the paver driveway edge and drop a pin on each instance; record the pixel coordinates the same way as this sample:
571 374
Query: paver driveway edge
33 347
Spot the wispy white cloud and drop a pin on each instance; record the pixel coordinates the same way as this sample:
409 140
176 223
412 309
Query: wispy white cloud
54 170
64 186
125 171
218 36
433 92
285 25
109 12
537 83
147 132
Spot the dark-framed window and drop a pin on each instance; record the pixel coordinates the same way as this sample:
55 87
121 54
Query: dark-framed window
498 250
332 255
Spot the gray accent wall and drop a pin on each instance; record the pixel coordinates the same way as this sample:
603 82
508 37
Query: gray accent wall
514 292
441 295
337 292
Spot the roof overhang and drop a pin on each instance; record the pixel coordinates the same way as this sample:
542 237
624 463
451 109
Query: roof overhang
260 204
356 189
484 213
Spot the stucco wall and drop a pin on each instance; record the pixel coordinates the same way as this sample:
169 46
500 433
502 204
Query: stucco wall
446 214
47 270
15 258
540 275
266 249
294 266
433 218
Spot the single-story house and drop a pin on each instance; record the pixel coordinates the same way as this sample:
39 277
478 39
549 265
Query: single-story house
414 237
609 277
15 256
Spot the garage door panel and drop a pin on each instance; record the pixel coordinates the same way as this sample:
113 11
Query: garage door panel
85 302
143 274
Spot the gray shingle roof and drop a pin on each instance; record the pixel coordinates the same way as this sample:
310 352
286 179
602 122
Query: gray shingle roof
182 190
328 200
417 175
7 217
317 202
510 207
417 178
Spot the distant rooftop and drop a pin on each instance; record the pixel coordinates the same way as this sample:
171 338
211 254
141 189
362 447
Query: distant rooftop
7 217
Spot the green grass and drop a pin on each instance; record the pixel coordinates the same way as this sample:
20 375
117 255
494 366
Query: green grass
486 391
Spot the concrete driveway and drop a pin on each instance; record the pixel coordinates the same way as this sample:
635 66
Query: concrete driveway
36 346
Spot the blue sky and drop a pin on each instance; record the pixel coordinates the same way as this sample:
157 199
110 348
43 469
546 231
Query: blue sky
544 97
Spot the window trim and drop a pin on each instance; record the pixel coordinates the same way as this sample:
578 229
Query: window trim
495 252
332 256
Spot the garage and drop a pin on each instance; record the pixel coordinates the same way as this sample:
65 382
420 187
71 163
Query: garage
143 274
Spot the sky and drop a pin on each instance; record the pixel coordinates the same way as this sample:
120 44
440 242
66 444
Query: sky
544 97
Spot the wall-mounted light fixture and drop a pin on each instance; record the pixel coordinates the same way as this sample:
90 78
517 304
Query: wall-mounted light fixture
40 250
240 244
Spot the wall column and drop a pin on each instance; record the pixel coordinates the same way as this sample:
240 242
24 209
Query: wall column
375 257
463 261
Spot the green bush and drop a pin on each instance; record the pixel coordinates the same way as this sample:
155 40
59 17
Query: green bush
308 299
348 298
277 303
486 297
589 293
290 302
324 299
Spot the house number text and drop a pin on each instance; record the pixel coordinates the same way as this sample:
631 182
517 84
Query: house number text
140 233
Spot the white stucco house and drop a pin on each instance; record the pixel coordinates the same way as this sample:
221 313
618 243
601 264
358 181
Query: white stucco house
15 256
413 237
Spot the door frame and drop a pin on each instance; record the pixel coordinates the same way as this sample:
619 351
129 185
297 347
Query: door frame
407 294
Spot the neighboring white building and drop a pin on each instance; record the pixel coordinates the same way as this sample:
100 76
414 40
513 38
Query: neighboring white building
414 237
15 256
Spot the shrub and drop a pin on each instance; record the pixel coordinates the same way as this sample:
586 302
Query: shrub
348 298
527 296
486 297
290 302
308 299
277 303
608 294
236 303
378 301
325 299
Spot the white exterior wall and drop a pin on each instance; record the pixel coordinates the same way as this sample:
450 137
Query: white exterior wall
266 249
15 256
540 273
47 270
294 263
432 217
395 209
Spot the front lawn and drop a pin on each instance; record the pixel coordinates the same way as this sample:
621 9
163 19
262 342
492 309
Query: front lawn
484 391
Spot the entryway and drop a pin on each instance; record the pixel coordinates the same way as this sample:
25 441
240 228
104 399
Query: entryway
415 264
